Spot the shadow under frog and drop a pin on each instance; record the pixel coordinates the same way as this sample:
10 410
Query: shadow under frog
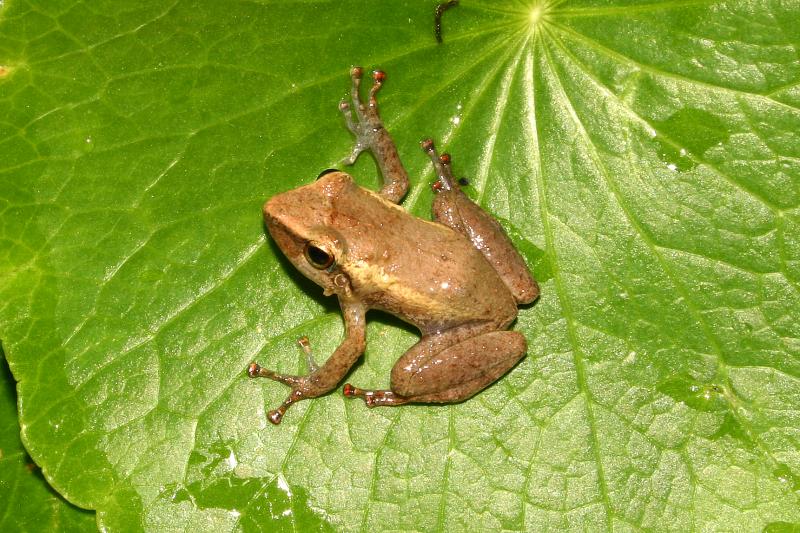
458 278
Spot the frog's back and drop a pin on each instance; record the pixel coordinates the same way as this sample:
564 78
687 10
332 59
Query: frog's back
419 270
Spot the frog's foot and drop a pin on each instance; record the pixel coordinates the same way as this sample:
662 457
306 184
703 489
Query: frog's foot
295 382
367 122
441 164
374 398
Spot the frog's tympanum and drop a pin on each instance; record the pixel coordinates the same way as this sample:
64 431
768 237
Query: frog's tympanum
457 278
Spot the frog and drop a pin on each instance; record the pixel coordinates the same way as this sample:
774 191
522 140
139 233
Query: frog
457 278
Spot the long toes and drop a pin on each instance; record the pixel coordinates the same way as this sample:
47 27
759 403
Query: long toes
355 75
254 370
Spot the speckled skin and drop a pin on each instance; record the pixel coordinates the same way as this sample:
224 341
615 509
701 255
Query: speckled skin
458 279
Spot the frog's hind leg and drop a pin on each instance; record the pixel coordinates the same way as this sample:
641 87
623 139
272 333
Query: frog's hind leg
453 208
372 135
441 165
447 369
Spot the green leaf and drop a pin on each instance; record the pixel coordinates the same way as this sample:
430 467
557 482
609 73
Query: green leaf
645 156
28 503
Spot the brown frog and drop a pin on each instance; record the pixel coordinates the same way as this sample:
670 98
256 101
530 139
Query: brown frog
458 278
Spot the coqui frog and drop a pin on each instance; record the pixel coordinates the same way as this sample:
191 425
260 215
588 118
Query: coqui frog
457 278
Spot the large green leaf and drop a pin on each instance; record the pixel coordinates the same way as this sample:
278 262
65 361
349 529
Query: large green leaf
27 502
644 155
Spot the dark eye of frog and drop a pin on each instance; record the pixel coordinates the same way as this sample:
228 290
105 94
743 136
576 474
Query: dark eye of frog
318 255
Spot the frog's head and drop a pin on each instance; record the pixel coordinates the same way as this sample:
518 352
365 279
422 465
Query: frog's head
303 223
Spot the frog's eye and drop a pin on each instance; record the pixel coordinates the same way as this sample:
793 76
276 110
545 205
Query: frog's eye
327 171
318 256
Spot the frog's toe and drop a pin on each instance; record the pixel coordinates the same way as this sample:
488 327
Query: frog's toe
441 164
344 107
276 415
351 159
374 398
355 90
303 341
378 76
254 370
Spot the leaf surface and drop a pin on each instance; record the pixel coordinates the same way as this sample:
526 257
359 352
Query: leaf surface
643 155
28 503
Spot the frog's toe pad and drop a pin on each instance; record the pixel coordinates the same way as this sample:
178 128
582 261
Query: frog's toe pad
253 370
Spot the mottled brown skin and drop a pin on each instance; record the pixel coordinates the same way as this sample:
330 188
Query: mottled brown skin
458 279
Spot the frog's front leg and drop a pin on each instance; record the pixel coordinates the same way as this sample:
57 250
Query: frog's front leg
448 367
325 378
372 135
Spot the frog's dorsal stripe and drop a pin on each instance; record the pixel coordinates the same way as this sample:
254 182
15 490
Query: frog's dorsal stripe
409 303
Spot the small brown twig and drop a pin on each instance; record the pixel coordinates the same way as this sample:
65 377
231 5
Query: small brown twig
440 9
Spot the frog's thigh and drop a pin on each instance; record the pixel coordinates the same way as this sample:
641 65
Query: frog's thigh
458 371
